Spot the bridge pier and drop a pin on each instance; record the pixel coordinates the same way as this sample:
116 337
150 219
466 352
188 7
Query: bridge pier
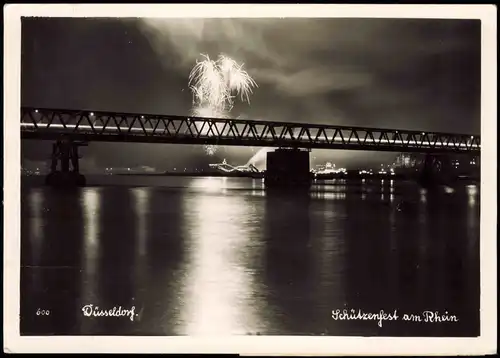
65 155
288 169
435 170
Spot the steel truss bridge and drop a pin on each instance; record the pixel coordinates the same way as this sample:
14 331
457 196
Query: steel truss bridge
79 125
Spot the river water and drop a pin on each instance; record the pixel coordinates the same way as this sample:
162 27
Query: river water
222 256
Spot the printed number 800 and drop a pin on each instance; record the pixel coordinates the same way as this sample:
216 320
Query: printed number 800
40 312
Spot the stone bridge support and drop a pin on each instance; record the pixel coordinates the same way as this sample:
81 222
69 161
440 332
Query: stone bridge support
65 169
436 169
288 169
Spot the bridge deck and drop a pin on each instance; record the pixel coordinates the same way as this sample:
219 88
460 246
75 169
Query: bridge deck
51 124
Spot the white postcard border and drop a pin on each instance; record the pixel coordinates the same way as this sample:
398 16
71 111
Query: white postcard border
486 343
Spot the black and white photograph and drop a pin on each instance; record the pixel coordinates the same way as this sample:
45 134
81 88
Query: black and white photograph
252 176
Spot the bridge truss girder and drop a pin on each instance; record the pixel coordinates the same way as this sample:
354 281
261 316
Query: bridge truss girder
52 124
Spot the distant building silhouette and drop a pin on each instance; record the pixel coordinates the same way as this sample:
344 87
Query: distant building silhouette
406 161
228 168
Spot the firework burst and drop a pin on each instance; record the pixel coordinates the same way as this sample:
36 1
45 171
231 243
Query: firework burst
236 79
208 112
210 149
215 85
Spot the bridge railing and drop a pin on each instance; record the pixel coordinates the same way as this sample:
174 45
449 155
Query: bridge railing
106 126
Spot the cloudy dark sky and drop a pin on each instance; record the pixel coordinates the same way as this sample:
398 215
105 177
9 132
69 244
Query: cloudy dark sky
395 73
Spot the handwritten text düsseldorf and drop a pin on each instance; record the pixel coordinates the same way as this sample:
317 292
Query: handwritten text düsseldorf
91 310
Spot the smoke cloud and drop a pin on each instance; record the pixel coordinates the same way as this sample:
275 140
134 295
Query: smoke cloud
395 73
354 62
275 56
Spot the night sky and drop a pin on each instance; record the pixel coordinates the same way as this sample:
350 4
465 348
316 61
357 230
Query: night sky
395 73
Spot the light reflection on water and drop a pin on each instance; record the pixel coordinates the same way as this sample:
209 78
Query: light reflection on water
472 193
36 226
141 206
218 281
36 202
142 197
472 217
249 262
423 195
90 200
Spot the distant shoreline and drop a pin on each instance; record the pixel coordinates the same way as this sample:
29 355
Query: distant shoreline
261 176
196 174
254 175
